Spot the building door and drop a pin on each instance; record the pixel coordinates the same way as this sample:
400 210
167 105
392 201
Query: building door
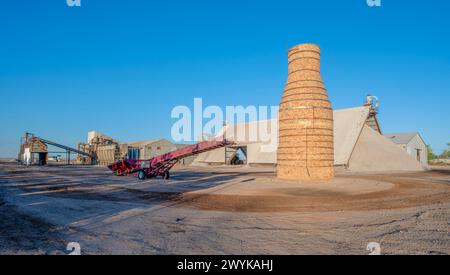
42 159
134 153
418 155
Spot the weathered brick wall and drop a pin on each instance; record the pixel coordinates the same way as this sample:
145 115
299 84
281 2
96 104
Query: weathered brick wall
306 150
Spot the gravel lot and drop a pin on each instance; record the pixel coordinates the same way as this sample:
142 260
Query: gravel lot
221 210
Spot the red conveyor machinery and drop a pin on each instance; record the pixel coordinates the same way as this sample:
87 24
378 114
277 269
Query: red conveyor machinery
161 165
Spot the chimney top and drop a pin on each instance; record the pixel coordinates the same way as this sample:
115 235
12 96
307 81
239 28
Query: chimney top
306 47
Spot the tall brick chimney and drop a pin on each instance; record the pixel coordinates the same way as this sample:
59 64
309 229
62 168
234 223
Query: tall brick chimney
306 145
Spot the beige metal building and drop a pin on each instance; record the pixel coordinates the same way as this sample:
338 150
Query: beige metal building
106 149
109 150
413 144
147 149
359 144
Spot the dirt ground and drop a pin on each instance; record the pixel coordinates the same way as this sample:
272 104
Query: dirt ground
221 210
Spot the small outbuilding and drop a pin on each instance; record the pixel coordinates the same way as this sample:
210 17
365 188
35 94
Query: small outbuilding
33 151
413 144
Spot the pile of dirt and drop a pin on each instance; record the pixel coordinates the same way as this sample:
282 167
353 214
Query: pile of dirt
408 190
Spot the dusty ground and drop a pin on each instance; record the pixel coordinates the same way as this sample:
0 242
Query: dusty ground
221 211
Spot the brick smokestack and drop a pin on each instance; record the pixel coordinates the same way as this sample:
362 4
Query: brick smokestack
306 145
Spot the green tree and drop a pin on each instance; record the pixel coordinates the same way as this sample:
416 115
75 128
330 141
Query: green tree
431 155
446 152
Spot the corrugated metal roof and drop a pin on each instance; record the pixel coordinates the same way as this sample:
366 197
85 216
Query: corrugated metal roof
401 138
143 143
348 124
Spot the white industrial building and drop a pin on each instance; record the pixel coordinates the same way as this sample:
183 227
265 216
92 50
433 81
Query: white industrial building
413 144
358 144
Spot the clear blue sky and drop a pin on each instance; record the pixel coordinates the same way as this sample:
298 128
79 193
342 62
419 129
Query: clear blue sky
121 66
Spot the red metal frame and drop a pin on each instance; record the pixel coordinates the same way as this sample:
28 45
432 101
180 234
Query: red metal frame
158 166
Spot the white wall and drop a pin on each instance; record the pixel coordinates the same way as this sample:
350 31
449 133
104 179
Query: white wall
413 145
27 156
256 156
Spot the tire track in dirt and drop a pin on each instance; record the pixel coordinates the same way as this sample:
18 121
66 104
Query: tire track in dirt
410 190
